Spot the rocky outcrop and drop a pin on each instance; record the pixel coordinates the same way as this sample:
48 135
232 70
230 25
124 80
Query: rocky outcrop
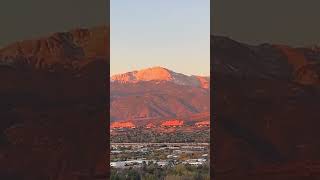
125 124
172 123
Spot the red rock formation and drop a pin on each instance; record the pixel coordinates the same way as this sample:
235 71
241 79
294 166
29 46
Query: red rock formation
172 123
127 124
150 125
203 124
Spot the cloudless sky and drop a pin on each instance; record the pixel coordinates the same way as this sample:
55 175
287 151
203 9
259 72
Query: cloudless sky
174 34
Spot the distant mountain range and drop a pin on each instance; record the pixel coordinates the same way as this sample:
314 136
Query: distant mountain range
157 92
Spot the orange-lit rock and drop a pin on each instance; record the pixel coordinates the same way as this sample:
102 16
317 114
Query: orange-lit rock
150 125
126 124
161 74
203 124
172 123
204 82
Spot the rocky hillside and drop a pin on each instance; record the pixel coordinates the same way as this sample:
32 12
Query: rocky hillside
266 61
265 104
157 92
53 104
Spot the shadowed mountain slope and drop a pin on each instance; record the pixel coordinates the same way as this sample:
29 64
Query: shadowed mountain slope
265 103
53 104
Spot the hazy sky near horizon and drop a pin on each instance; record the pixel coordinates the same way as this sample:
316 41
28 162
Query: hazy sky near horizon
174 34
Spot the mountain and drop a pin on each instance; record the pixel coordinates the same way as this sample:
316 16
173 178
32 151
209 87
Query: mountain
266 61
265 107
161 74
72 49
53 103
61 66
157 93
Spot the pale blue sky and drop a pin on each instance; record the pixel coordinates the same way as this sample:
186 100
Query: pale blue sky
171 33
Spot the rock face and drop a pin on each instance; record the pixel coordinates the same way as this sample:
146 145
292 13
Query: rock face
157 93
203 123
53 104
173 122
127 124
265 106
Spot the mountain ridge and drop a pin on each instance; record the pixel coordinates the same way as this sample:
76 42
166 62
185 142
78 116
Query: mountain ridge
157 93
265 104
158 73
52 90
72 49
265 61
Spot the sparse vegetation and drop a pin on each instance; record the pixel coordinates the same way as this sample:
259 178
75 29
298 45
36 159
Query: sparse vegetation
143 135
152 171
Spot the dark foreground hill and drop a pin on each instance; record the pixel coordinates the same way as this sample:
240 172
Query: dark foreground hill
265 101
53 105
